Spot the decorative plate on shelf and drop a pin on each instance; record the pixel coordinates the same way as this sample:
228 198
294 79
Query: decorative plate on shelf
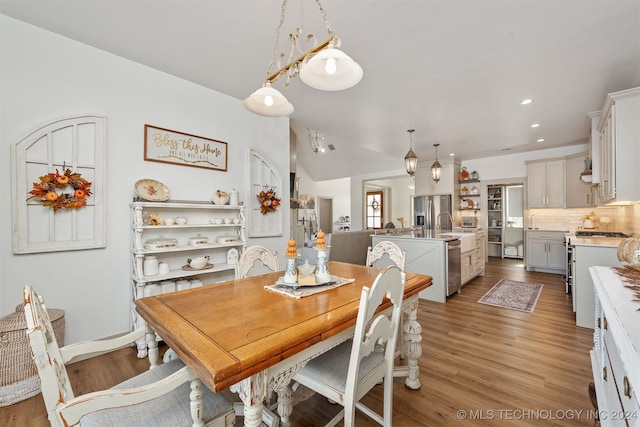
187 267
152 190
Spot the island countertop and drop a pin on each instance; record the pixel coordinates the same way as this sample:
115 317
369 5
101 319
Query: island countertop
444 235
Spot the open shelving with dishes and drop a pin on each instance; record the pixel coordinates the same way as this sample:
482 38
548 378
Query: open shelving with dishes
505 220
469 194
165 235
494 220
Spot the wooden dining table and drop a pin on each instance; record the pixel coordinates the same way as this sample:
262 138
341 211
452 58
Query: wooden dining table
240 336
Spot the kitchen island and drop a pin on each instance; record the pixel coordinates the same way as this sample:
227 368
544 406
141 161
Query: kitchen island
426 253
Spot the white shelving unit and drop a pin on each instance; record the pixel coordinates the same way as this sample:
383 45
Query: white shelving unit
201 218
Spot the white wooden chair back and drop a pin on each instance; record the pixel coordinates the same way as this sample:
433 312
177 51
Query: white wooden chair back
56 387
381 330
252 254
168 394
393 251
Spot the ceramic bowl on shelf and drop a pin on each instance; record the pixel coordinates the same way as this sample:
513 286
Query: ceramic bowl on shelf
181 220
198 263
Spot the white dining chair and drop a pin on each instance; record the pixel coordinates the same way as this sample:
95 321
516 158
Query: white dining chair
347 372
252 254
385 247
397 257
166 395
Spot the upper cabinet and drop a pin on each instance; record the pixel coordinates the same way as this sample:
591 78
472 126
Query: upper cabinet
620 148
578 193
425 185
546 184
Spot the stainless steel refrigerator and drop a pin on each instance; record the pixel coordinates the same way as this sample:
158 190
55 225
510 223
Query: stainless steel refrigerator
426 210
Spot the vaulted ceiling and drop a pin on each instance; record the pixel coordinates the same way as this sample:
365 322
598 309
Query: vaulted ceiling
456 70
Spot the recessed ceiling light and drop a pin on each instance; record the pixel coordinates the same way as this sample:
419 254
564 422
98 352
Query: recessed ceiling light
526 101
452 154
541 140
535 125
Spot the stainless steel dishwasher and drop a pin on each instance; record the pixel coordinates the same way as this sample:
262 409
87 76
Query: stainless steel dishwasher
453 266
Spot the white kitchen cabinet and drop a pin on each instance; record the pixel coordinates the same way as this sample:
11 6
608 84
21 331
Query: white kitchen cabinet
545 251
204 221
585 256
615 358
578 193
546 183
467 263
425 185
620 147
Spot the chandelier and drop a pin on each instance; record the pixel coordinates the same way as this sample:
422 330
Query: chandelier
323 67
316 140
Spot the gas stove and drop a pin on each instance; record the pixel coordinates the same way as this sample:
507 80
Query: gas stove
592 233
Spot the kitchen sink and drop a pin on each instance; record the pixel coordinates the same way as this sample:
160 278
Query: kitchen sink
467 240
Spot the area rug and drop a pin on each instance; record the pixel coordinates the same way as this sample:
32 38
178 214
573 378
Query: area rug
514 295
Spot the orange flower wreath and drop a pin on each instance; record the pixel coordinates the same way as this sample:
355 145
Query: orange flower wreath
269 202
46 190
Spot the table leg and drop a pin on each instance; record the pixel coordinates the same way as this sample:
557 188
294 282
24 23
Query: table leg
412 346
252 392
285 404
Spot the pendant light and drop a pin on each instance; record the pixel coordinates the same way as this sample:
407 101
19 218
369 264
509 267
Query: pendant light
436 167
411 160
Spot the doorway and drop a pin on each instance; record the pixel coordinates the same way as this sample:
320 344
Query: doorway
325 214
505 214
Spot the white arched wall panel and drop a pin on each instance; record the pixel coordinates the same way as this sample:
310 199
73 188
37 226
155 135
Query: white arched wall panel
263 176
77 143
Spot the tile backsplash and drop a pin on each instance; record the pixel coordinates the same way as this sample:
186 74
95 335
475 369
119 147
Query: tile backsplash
625 219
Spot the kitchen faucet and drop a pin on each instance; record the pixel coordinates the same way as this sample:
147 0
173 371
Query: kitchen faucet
439 226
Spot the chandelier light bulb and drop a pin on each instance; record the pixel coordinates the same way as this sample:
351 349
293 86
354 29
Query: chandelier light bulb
330 66
268 100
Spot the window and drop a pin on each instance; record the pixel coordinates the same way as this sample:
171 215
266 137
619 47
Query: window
375 202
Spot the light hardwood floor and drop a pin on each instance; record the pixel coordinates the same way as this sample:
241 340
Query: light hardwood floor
480 366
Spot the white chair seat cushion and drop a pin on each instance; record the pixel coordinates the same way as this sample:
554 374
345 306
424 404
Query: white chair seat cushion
172 409
331 368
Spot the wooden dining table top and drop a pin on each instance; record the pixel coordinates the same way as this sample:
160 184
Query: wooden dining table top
229 331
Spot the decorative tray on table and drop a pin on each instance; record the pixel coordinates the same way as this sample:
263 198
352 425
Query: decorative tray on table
281 281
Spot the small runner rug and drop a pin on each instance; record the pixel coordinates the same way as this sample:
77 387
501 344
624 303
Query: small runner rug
512 294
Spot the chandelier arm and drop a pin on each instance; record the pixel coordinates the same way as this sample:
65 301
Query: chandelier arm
324 18
275 45
308 55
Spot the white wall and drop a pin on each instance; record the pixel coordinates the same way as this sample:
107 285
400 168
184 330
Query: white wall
513 165
44 76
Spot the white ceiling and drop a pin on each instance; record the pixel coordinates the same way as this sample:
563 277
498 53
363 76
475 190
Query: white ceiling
454 70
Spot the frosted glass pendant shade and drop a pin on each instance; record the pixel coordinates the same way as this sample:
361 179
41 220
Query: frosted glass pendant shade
331 69
269 102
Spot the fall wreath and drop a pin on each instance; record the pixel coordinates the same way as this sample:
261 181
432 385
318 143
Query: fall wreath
269 202
47 190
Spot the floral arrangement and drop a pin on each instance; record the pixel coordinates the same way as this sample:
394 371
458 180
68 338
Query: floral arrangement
47 190
269 202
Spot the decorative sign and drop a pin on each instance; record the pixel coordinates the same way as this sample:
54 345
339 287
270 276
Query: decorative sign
169 146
